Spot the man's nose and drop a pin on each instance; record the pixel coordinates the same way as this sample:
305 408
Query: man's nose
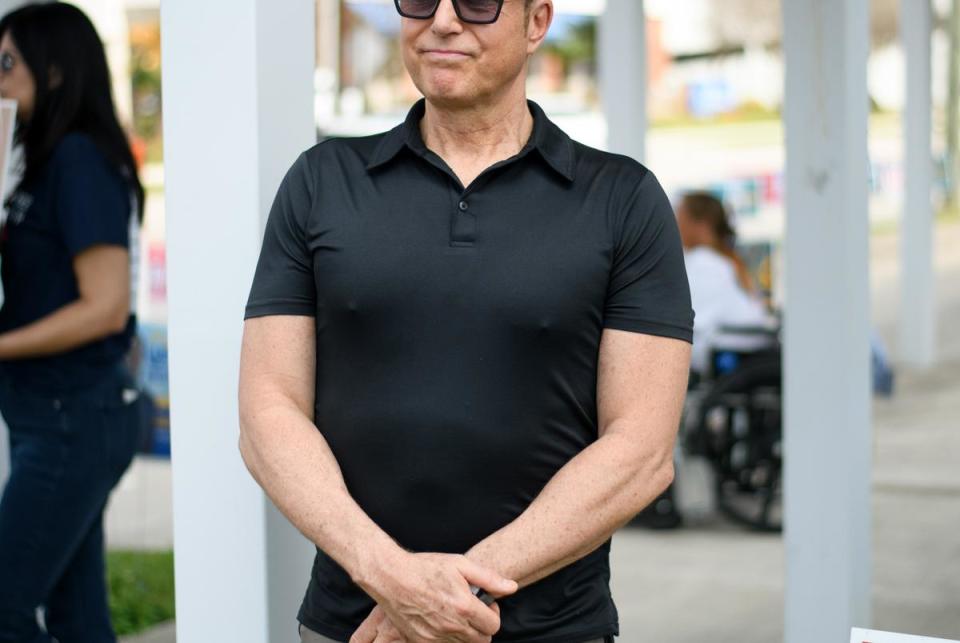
446 20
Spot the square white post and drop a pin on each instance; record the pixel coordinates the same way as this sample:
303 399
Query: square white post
622 43
918 299
827 452
238 109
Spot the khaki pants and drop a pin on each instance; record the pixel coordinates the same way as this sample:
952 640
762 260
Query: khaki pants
308 636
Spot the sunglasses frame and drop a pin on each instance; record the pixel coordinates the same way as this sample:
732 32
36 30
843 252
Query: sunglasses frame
456 7
7 62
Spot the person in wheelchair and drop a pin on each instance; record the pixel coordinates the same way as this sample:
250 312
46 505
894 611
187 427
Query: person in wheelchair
733 414
735 371
729 309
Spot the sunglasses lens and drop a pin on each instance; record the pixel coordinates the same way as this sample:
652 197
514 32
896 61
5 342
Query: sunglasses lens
417 8
479 10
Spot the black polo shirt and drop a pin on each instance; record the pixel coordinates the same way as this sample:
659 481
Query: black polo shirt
457 339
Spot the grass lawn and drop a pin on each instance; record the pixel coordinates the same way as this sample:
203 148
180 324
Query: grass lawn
750 133
141 589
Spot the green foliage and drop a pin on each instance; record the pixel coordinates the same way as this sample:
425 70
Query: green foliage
145 82
950 212
140 589
579 46
146 95
746 112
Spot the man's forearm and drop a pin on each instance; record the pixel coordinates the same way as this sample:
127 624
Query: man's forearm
294 465
586 501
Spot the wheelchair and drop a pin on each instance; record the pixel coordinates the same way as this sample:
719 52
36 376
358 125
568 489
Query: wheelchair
733 419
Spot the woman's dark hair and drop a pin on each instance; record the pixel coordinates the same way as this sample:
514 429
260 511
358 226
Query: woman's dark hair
703 206
58 37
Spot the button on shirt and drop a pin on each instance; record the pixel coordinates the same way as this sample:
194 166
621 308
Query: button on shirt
457 333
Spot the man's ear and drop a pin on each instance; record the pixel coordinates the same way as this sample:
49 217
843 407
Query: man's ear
538 22
55 77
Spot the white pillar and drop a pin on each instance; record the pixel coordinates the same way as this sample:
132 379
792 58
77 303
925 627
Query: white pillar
827 453
237 110
918 300
622 42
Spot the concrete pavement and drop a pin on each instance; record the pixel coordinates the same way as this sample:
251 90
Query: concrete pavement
711 581
165 633
715 582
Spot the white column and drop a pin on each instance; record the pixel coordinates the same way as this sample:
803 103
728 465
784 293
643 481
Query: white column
622 42
918 300
237 111
827 451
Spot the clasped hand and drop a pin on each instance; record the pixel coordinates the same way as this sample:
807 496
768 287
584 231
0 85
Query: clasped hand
426 598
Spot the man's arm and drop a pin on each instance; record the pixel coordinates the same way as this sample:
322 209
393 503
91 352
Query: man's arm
641 383
282 448
426 595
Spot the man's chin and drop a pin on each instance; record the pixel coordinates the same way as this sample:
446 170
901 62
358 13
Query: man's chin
450 98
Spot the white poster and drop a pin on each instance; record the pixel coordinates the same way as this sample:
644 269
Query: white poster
872 636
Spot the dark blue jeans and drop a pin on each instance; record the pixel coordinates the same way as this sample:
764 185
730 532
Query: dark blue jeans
66 454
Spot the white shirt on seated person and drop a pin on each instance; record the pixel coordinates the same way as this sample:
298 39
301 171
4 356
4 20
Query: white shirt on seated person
719 301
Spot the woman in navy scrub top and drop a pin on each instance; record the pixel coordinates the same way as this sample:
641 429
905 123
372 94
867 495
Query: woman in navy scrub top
65 326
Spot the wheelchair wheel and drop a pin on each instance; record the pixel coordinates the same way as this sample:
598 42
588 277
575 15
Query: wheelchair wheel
739 429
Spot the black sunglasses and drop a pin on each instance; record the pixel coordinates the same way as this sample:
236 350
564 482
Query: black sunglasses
7 62
475 12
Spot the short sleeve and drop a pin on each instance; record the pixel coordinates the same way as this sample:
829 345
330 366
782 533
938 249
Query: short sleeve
283 283
92 204
648 291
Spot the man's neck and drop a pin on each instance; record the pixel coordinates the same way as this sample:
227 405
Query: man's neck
472 139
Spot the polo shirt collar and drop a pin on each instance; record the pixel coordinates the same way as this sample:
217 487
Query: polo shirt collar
407 134
552 143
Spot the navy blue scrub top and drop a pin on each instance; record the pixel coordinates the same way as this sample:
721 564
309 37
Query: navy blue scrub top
78 200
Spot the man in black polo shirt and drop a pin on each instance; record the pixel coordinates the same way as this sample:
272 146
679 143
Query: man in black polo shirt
465 353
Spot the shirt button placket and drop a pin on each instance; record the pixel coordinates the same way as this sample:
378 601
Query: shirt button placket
464 230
